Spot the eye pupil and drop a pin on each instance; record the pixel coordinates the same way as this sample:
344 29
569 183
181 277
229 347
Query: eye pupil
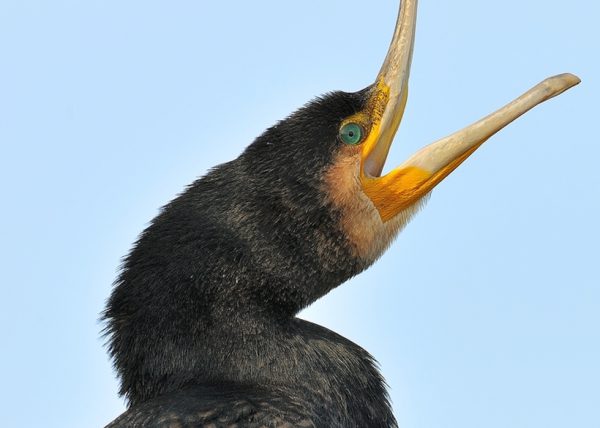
351 133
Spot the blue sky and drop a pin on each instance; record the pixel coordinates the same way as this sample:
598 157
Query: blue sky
485 312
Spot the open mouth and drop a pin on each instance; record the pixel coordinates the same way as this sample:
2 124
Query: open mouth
418 175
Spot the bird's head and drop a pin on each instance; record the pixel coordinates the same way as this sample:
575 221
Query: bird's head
339 143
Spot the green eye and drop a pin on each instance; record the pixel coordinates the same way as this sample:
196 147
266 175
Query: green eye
351 133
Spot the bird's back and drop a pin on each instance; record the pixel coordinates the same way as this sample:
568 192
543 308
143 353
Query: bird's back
229 406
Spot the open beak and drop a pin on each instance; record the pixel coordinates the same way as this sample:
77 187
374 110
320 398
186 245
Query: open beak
405 185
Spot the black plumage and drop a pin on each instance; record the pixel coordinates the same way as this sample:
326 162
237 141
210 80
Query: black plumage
201 322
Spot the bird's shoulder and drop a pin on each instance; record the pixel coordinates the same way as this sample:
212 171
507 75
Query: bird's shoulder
213 407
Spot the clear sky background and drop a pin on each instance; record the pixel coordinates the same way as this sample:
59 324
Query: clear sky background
484 313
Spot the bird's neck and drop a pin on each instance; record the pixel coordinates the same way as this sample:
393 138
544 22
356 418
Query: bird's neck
209 293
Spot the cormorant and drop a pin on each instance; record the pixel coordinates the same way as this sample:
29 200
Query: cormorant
201 322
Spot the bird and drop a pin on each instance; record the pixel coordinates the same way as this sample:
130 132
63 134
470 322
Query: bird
201 323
